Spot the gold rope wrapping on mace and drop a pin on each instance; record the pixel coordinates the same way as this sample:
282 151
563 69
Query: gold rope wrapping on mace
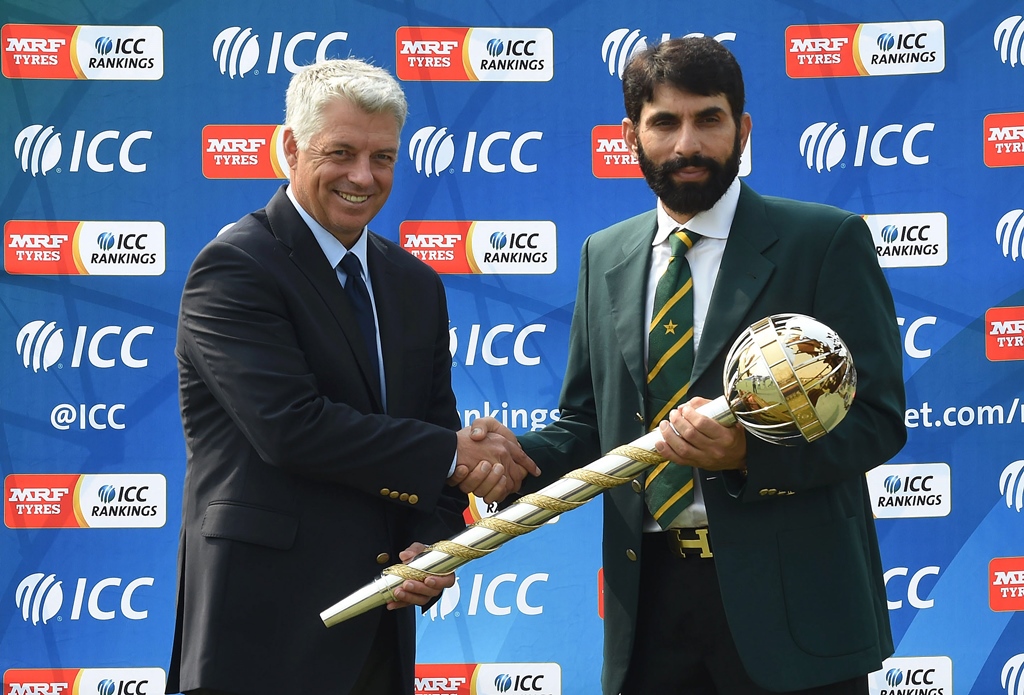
552 504
458 550
637 454
509 528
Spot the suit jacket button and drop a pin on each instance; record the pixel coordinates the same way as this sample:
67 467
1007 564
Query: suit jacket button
637 487
394 494
404 496
384 491
383 559
763 492
413 499
630 555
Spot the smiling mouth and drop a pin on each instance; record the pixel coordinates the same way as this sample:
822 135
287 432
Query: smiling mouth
353 198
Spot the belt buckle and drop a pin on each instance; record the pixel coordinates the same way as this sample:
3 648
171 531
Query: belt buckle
688 547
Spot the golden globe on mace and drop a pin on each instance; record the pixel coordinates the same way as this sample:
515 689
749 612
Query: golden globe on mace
788 378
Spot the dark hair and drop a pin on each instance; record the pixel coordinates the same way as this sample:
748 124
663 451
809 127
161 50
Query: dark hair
700 65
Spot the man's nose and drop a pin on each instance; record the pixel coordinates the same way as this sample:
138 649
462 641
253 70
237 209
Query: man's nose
361 172
687 141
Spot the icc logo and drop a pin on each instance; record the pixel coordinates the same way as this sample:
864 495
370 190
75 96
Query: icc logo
237 50
916 483
1012 676
823 145
39 149
40 598
432 150
104 45
450 598
620 45
1010 229
1011 485
486 347
1007 40
913 587
920 676
41 344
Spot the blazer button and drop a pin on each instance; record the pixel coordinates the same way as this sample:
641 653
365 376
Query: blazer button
404 496
637 487
383 559
630 555
384 491
394 494
413 499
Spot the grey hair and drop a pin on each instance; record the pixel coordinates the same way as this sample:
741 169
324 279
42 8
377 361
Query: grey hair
370 88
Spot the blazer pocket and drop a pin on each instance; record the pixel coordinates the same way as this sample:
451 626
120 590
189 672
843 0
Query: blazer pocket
248 524
827 590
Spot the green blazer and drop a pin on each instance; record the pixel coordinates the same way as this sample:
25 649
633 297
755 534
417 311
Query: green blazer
794 540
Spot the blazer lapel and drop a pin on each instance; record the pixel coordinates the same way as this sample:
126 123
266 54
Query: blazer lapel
387 295
627 280
741 278
309 258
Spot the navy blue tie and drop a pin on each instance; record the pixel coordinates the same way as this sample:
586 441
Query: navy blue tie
360 298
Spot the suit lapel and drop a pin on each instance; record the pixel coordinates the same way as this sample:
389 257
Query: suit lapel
309 258
387 295
627 280
741 278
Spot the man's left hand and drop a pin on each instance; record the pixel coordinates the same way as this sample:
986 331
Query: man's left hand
413 593
693 439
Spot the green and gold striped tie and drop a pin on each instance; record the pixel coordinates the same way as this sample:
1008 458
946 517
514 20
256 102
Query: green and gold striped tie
669 487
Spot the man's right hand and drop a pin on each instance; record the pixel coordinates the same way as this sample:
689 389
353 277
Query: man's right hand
490 463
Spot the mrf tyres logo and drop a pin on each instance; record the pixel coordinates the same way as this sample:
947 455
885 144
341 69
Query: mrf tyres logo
38 247
69 52
432 150
482 247
909 240
41 346
239 52
1006 584
854 50
824 145
1004 139
478 54
1004 333
40 150
244 152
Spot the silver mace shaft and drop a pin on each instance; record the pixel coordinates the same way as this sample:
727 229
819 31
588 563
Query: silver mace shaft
572 490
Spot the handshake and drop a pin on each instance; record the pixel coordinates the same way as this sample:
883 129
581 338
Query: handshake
490 463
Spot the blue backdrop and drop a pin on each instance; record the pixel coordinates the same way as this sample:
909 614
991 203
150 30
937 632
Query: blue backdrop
132 132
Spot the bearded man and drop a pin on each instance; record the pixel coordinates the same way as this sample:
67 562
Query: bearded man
739 567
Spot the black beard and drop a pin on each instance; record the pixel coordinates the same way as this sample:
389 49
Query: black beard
690 198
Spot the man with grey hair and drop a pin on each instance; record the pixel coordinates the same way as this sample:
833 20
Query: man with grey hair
322 436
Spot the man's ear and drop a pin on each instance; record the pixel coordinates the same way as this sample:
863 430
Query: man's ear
629 135
745 126
291 148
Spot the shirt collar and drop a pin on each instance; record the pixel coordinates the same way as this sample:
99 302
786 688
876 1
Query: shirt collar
333 249
713 223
